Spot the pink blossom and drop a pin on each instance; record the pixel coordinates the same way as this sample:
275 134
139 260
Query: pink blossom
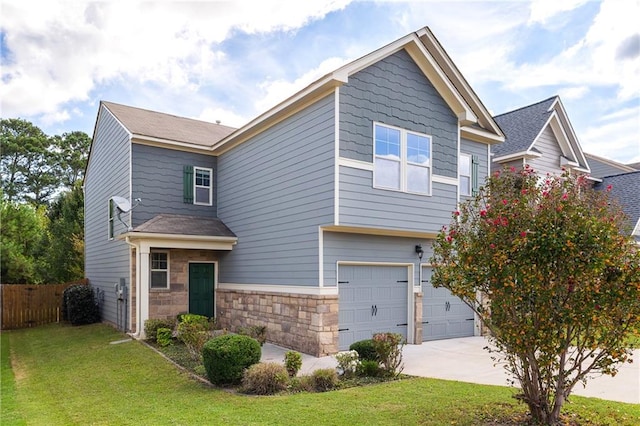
513 169
523 192
565 196
483 213
492 245
456 213
449 239
523 234
505 202
609 187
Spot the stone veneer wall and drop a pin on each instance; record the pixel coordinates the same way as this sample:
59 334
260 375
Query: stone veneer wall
306 323
417 319
167 303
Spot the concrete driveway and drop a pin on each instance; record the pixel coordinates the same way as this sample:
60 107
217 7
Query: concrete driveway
465 360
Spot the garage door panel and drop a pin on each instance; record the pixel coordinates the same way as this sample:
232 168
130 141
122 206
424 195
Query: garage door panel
444 315
378 297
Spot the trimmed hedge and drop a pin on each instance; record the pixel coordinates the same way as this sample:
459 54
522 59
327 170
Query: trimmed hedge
226 357
79 305
366 350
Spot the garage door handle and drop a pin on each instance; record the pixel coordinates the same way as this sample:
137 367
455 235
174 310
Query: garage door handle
343 282
469 319
374 310
405 281
425 322
400 325
343 329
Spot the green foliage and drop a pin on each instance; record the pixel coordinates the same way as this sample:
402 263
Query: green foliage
258 332
348 362
194 331
301 384
265 379
388 347
365 350
324 379
559 277
292 362
152 325
164 336
23 227
80 306
226 357
368 368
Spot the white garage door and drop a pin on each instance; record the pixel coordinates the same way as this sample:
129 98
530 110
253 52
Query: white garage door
444 316
372 299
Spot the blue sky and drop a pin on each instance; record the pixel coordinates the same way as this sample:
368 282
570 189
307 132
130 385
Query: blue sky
231 61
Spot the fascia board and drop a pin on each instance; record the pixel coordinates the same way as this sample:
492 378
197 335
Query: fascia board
181 241
433 45
570 133
170 144
480 135
515 156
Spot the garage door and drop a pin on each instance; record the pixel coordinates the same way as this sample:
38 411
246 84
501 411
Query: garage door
444 316
372 299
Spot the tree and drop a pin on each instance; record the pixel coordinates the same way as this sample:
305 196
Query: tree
27 163
72 150
63 256
548 269
21 242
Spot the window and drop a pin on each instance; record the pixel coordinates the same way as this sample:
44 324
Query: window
402 160
197 185
159 269
111 221
464 170
468 172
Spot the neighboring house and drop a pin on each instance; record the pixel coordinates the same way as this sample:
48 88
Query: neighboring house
315 219
541 136
625 188
601 167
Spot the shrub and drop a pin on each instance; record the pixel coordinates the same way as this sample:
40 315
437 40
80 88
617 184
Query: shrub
365 350
79 305
324 379
151 327
292 362
226 357
348 362
301 384
265 379
258 332
164 336
368 368
388 348
202 321
193 331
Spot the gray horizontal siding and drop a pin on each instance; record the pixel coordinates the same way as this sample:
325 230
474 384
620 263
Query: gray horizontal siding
274 192
157 180
549 162
370 248
481 151
600 169
394 91
365 206
106 261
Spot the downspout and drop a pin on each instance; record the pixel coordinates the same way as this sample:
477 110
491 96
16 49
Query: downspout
136 334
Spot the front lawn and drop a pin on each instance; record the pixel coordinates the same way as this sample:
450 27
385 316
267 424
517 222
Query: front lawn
63 375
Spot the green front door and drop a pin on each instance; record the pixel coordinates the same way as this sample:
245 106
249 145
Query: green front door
201 288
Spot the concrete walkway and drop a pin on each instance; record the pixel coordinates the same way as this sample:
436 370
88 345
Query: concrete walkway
465 360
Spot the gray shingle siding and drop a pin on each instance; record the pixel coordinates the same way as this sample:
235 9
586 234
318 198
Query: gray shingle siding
274 192
394 91
157 180
106 261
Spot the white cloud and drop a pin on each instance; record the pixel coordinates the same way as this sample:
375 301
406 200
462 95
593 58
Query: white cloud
543 10
60 51
223 115
614 136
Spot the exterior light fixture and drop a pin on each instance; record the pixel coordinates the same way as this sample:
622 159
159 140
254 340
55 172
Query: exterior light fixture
419 251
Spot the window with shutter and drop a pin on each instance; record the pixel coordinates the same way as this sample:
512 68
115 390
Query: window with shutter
187 184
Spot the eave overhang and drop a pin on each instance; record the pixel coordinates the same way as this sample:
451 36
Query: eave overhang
179 241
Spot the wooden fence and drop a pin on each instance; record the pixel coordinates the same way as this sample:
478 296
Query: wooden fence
32 305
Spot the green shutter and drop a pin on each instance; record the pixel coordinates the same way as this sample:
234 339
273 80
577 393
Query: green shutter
111 226
474 175
187 184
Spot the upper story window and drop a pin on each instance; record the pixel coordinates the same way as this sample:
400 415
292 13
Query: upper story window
402 160
468 174
159 269
198 185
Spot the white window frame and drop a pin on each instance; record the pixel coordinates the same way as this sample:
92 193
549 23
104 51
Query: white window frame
465 191
404 163
152 270
195 186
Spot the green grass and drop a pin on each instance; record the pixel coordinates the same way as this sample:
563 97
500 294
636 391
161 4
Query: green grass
72 375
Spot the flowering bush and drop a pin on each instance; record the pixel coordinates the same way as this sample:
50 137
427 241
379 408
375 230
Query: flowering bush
348 363
388 348
548 266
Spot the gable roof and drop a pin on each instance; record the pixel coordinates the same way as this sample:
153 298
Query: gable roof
185 225
522 128
625 188
475 120
152 126
604 166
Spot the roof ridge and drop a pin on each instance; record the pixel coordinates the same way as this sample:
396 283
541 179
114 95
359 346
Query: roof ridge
527 106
